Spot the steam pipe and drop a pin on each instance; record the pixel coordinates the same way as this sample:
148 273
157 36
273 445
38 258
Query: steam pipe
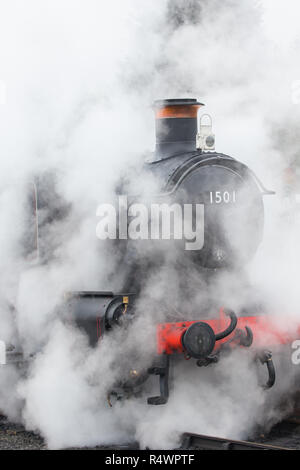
230 328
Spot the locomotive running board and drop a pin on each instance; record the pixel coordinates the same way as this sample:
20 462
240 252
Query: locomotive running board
202 442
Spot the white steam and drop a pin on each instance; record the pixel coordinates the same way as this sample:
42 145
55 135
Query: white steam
79 78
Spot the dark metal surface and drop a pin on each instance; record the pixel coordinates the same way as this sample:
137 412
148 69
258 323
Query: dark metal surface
201 442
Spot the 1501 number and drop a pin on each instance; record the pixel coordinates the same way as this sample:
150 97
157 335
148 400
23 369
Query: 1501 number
217 197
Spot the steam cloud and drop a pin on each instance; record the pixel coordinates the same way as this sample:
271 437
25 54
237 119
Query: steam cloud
79 80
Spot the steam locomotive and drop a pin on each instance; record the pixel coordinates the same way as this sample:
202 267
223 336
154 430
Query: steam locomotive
188 171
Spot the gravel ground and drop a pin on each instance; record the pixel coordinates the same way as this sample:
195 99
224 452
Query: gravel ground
285 434
14 437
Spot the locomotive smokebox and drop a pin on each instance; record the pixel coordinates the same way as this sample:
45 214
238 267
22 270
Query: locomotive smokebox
176 126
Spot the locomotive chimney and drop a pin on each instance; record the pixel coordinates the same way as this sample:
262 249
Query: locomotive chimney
176 126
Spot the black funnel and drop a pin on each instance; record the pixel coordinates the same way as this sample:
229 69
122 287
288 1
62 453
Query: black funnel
176 126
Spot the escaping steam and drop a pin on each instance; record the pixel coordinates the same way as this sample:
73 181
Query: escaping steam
80 77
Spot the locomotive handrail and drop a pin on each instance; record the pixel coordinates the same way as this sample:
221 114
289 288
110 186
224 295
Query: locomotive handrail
265 357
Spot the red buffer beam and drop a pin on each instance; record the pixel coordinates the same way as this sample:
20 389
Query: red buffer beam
267 332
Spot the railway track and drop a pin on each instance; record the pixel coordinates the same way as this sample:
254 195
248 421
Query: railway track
202 442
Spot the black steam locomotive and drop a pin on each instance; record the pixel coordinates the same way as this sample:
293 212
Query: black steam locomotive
188 171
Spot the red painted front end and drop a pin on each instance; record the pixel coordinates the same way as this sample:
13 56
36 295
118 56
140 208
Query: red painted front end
267 333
